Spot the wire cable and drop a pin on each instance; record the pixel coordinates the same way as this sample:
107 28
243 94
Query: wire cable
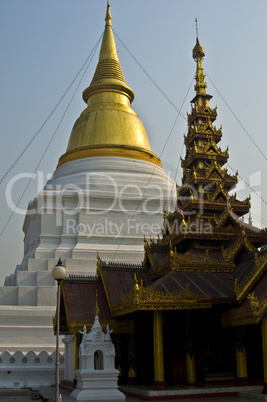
50 114
152 174
237 119
149 76
53 136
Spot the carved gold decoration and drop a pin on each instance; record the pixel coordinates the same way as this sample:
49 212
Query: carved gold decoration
221 218
242 289
230 252
219 189
254 304
186 263
247 316
149 299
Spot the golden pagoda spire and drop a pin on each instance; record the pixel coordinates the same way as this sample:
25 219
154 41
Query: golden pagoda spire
108 126
198 56
108 67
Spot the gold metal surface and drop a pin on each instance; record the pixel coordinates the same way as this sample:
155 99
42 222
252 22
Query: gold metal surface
108 122
147 299
114 151
191 368
241 364
264 346
246 316
242 289
158 347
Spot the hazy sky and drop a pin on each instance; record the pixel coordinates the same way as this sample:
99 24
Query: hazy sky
45 43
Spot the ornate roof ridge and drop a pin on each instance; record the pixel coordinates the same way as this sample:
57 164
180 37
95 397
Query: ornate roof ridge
121 265
81 278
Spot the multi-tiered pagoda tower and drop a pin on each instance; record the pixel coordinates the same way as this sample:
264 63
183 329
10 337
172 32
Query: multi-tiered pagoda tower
205 210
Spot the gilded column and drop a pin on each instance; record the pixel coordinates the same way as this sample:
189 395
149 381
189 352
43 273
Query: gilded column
190 348
159 380
132 374
241 357
264 351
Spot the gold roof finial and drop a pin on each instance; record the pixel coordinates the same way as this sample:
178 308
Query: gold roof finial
108 18
198 51
198 56
136 283
108 126
96 310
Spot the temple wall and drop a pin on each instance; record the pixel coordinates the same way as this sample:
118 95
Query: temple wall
21 370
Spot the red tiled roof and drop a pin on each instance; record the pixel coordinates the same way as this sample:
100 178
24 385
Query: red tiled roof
121 282
218 285
80 301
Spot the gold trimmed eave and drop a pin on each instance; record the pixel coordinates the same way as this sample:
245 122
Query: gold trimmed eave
78 301
197 204
139 294
246 316
242 241
202 112
205 176
199 154
121 151
177 262
246 285
228 214
203 130
147 299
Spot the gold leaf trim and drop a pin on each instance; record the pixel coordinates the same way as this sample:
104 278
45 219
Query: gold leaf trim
242 289
149 299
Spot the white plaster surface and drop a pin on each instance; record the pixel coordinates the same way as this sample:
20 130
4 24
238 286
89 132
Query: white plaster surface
104 204
22 370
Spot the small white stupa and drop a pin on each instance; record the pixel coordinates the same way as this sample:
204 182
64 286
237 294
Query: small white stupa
97 378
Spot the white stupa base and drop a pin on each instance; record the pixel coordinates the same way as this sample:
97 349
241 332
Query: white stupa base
104 204
97 385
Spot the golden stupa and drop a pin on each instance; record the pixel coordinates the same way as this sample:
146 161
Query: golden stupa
108 126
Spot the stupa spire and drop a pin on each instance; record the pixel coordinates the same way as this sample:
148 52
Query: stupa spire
108 126
108 18
108 68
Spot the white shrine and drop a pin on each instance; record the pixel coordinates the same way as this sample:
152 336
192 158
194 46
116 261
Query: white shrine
97 378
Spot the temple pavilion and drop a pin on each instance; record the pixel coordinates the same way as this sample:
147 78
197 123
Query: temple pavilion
195 310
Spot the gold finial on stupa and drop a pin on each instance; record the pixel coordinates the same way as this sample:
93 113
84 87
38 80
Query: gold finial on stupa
108 18
108 126
136 283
